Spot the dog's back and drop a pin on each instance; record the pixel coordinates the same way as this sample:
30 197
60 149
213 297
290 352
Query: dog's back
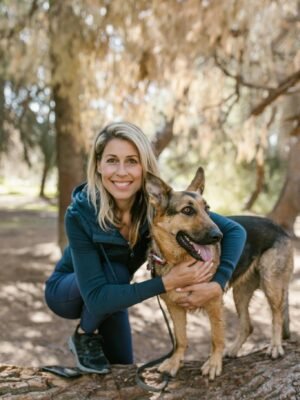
266 263
262 235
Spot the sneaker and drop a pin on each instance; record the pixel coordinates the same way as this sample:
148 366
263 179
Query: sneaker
88 352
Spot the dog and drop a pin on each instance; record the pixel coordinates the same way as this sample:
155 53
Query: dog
181 228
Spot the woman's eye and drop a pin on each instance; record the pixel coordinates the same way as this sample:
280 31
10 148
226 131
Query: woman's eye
111 160
132 161
188 211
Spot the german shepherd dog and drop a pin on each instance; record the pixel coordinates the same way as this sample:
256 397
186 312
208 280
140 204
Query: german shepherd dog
180 229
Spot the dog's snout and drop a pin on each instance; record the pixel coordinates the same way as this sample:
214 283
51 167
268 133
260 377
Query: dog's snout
215 234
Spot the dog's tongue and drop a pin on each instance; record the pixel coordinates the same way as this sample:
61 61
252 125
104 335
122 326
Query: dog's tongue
204 251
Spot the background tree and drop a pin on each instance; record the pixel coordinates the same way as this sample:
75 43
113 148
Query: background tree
25 97
65 52
209 79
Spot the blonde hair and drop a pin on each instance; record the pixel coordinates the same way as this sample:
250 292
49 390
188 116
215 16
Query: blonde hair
100 198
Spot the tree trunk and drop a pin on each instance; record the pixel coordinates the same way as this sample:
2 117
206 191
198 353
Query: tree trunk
44 178
66 80
287 207
163 137
254 376
70 157
260 180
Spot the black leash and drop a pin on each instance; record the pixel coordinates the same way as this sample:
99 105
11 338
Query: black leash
165 377
138 377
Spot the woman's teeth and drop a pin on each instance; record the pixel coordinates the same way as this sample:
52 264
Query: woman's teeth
121 184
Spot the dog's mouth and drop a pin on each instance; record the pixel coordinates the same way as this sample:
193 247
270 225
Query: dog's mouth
198 251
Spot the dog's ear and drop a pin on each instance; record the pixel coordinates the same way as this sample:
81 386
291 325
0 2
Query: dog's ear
198 183
157 190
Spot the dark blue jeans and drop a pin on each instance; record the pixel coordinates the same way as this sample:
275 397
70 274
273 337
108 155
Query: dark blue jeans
63 298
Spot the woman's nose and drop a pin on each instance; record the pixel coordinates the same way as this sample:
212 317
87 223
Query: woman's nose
121 169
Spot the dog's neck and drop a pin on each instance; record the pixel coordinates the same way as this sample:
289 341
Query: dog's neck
156 255
155 260
158 264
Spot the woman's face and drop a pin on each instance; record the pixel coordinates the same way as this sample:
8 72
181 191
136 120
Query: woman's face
121 171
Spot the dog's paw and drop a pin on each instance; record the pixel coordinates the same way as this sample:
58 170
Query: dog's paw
275 351
170 366
212 367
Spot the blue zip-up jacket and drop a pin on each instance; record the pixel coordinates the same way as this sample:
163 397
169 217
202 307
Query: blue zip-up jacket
105 286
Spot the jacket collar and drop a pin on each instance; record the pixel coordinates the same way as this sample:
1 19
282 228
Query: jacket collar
88 215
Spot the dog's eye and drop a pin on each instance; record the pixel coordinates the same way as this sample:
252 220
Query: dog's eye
188 210
206 206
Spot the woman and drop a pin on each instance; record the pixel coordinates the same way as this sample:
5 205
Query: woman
106 225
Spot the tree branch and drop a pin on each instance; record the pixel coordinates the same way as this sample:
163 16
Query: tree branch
274 92
283 87
239 78
163 137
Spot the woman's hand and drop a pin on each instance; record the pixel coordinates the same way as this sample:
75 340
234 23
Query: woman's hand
188 273
197 295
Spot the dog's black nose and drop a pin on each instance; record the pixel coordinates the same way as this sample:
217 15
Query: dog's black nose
215 235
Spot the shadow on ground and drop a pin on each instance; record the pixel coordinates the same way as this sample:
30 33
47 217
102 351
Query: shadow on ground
31 335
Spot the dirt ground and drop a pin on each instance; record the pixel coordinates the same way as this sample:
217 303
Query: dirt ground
31 335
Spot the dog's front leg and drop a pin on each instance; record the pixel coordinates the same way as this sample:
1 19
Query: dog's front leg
213 366
171 365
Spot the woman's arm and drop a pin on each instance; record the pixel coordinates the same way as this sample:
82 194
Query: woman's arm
232 245
100 296
103 297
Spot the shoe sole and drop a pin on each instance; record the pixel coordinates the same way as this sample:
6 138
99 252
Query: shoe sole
82 367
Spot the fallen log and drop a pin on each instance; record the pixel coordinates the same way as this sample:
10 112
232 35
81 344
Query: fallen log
254 376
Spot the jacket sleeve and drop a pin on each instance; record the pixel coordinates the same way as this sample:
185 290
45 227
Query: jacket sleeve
232 245
100 296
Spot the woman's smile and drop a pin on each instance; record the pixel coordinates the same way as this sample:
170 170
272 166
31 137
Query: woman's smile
122 185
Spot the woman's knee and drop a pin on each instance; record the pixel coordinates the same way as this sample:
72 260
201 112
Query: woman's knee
63 297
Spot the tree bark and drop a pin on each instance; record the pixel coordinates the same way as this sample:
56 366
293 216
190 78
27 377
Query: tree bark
254 376
287 207
66 78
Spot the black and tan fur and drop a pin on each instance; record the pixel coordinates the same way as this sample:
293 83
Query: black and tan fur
266 263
